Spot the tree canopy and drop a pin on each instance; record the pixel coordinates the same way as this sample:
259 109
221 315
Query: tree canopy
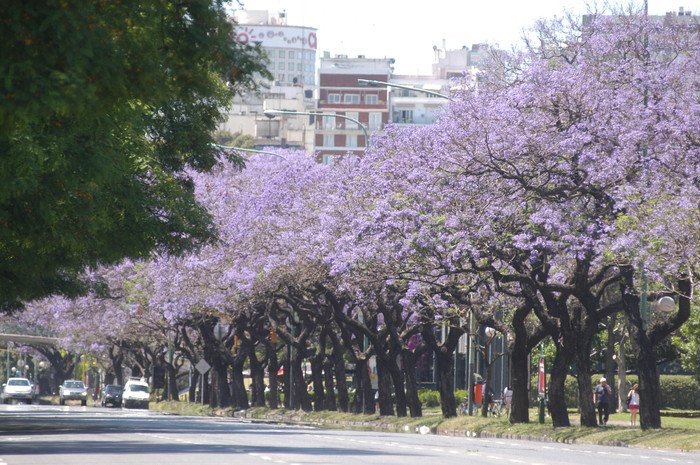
104 104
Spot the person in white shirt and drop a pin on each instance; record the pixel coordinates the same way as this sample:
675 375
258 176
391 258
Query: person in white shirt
507 399
633 404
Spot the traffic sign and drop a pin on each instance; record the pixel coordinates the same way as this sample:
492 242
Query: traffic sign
202 366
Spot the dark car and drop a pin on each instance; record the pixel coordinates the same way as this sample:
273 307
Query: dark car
112 395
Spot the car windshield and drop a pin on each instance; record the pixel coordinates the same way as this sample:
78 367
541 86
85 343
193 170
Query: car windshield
112 389
18 382
138 388
74 384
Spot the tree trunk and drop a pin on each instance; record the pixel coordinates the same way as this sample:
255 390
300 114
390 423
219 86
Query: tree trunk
317 381
409 363
329 384
649 386
172 390
205 388
363 392
557 380
520 403
257 374
240 396
386 406
339 372
445 367
301 396
397 376
272 369
583 380
192 394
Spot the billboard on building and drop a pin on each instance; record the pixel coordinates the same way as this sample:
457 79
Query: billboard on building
278 36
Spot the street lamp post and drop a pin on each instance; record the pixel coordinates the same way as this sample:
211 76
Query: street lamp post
241 149
375 83
273 113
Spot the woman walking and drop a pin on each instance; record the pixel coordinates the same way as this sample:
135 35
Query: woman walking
633 404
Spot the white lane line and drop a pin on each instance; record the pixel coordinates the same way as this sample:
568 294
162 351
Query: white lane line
516 461
454 452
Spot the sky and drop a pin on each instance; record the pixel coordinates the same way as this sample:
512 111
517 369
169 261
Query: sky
407 30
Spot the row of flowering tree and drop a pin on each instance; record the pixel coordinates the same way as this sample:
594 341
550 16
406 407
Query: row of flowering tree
531 205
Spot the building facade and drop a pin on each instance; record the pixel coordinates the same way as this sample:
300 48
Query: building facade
341 94
291 51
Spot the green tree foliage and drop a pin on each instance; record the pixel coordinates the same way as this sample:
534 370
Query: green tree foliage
103 104
688 343
237 139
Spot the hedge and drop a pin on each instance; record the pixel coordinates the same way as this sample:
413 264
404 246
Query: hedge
677 391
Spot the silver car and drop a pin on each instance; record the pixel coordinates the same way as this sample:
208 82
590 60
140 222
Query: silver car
17 388
72 389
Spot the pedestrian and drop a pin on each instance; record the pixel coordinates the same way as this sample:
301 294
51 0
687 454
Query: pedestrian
601 397
507 400
633 404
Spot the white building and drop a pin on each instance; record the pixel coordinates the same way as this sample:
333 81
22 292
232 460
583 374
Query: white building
291 51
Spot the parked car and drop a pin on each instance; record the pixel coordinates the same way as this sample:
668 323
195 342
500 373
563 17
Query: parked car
17 388
136 393
112 395
72 389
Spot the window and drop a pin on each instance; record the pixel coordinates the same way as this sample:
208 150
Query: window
371 99
333 98
328 159
282 54
403 116
351 140
291 54
351 98
375 120
307 55
298 55
290 66
328 140
267 128
351 124
329 122
280 65
298 66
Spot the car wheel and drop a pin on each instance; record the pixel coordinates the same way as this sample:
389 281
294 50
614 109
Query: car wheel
29 401
83 402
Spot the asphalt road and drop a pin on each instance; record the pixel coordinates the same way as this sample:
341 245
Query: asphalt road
38 435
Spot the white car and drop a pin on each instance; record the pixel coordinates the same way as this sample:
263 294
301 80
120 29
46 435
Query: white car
72 389
17 388
136 394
